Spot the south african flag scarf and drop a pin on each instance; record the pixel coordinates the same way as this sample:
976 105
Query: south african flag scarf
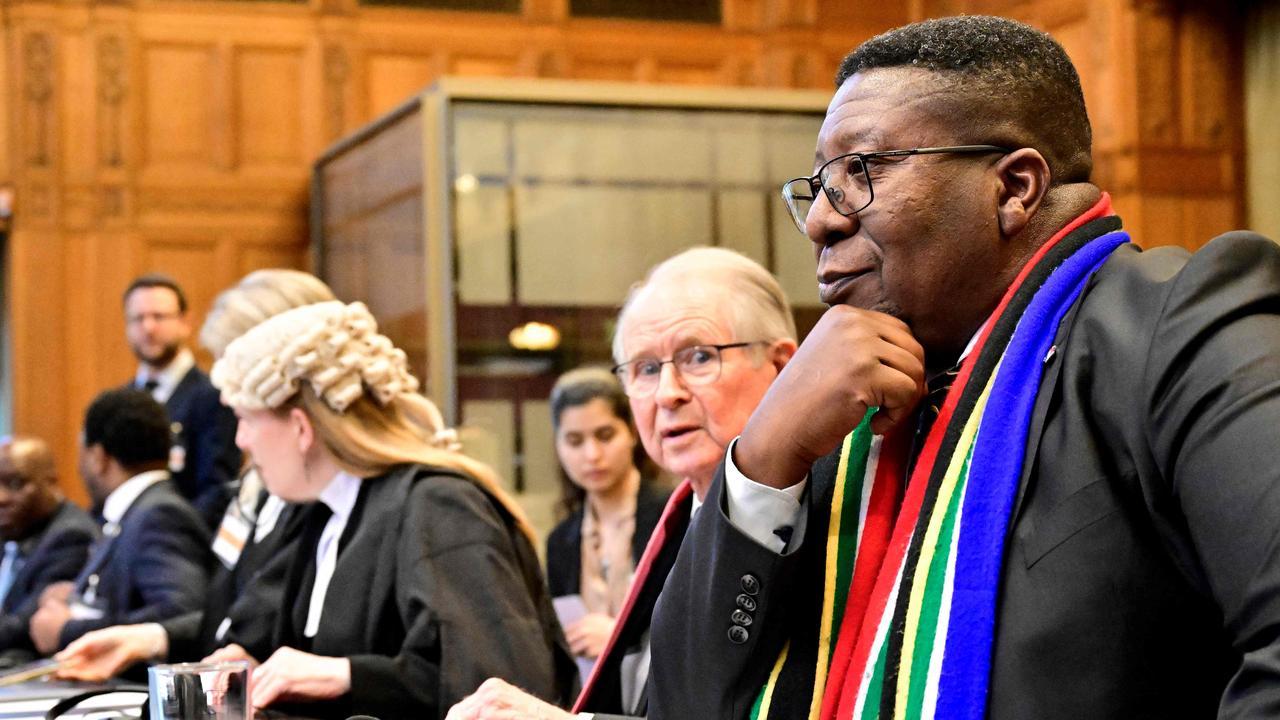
911 575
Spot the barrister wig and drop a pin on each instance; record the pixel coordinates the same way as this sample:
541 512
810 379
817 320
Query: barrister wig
354 385
258 296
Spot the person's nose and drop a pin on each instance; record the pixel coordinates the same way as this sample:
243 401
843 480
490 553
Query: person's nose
825 226
242 437
671 390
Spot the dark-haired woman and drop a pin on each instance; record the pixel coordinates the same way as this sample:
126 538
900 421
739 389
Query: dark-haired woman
610 498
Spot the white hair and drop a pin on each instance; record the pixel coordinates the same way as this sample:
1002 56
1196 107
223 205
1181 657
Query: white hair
756 305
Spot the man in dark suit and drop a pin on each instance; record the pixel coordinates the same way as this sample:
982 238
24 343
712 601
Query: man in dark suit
46 538
1139 577
204 460
153 560
721 362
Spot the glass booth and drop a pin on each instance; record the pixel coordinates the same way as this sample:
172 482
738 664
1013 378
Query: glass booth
494 226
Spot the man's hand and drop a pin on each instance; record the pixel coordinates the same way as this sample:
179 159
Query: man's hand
46 625
499 700
102 654
57 592
852 361
228 653
291 674
588 636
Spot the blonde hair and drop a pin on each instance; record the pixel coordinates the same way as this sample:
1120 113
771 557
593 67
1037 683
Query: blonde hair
757 306
328 360
258 296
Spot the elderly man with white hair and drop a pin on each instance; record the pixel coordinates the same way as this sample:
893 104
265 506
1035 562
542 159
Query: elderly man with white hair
698 343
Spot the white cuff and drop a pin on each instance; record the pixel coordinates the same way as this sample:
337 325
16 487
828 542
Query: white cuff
759 510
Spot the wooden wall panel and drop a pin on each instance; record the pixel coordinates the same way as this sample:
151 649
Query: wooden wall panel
391 79
269 107
177 136
180 119
1162 80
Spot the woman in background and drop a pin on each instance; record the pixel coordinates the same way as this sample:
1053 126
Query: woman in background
414 576
611 502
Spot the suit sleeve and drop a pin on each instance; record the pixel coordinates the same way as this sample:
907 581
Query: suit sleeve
691 627
60 559
1212 387
467 611
215 457
183 634
169 560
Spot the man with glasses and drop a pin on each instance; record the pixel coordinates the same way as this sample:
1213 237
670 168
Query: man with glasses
1079 520
205 459
697 344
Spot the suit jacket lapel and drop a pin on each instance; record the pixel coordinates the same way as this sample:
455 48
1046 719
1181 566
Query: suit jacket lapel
651 574
1040 411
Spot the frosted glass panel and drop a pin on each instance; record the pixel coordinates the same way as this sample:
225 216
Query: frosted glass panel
739 149
794 262
483 147
586 245
618 145
484 245
488 435
541 468
742 223
790 147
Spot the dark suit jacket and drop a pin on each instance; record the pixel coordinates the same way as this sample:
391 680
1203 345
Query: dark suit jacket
1141 573
206 432
434 591
602 692
249 594
155 568
53 552
564 544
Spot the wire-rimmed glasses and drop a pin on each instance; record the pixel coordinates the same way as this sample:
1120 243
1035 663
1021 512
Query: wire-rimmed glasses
847 180
696 365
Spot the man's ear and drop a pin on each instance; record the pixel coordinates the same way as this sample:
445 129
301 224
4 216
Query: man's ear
1024 178
780 352
96 456
301 429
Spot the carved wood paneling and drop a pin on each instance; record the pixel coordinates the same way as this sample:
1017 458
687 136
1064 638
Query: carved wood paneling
178 136
179 111
38 100
113 87
269 107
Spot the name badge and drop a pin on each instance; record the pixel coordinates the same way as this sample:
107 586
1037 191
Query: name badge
232 535
177 452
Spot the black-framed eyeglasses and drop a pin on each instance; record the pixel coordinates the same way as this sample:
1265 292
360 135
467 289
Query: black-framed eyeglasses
696 364
847 180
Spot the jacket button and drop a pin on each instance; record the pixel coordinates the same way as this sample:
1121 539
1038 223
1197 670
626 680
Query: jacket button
750 585
746 602
740 618
738 634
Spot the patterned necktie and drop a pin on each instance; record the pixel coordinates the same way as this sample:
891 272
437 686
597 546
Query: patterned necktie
937 388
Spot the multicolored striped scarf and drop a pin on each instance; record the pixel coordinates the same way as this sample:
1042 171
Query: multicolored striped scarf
908 609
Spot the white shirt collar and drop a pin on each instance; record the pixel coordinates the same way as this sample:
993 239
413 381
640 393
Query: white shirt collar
974 340
120 499
167 379
968 349
340 494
